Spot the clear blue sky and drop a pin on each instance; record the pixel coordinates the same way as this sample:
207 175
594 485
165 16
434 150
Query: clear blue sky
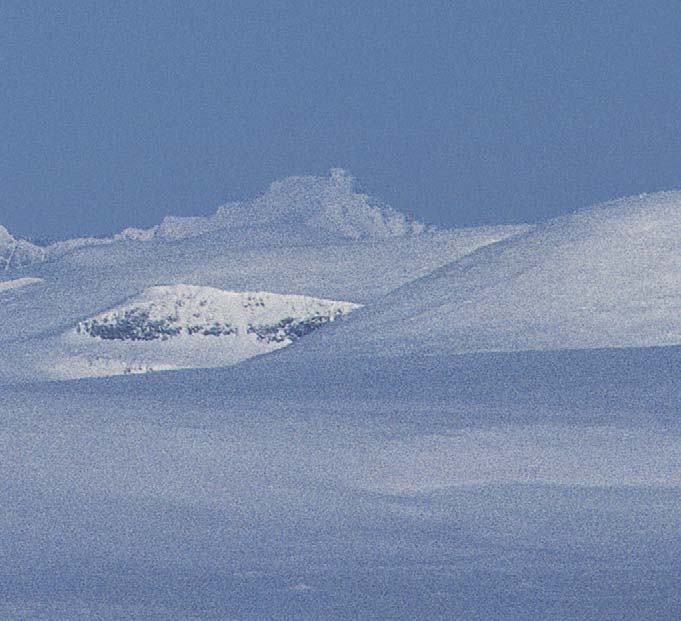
117 113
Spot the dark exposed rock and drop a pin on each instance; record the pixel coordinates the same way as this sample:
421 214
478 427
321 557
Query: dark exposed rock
133 325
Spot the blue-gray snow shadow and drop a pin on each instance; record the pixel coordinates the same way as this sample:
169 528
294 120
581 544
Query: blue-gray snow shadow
500 552
276 491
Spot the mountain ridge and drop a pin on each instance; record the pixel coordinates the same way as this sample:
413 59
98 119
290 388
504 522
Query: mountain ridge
316 206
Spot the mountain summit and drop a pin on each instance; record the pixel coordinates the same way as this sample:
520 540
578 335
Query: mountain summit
328 205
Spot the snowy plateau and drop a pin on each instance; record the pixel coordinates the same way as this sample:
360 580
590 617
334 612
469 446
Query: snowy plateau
351 415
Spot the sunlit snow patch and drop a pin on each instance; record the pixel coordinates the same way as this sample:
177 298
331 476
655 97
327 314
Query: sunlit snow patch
185 326
6 285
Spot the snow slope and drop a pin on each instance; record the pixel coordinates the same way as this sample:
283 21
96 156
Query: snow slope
181 326
607 276
533 485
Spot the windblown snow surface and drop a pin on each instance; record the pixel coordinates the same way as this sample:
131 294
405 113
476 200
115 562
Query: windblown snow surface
370 470
495 486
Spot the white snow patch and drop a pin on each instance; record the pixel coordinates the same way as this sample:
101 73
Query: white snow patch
185 326
6 285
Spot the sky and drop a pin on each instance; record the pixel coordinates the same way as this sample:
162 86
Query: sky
459 113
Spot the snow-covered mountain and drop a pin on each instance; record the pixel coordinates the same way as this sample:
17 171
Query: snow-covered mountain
481 485
301 208
310 236
606 276
328 205
306 236
16 253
